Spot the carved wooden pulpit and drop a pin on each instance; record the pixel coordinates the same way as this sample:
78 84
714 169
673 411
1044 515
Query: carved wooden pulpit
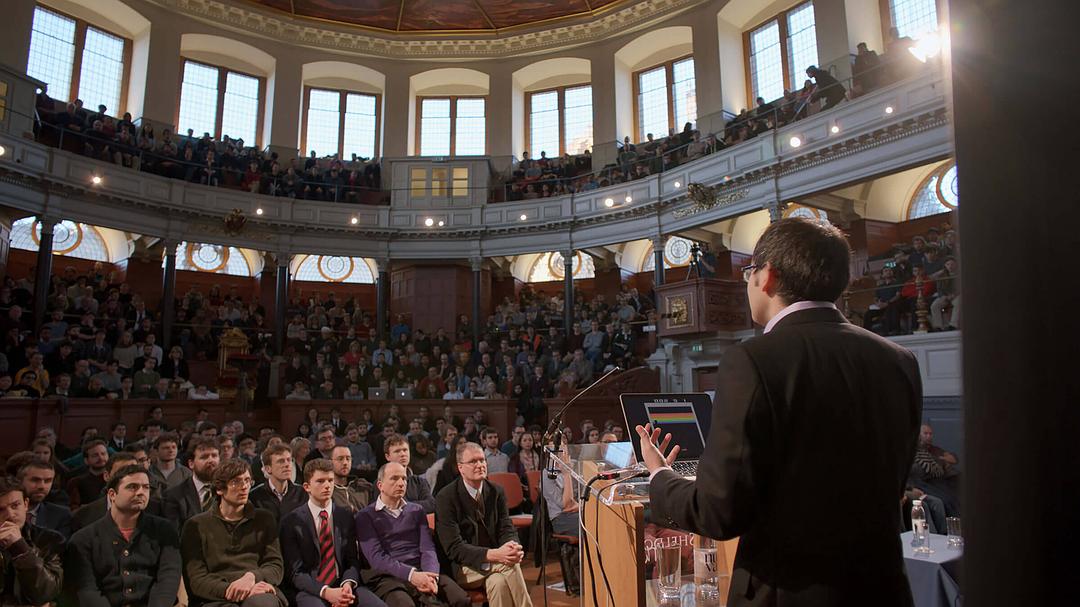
232 343
701 305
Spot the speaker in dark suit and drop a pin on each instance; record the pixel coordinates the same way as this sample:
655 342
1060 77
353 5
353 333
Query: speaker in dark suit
300 548
813 432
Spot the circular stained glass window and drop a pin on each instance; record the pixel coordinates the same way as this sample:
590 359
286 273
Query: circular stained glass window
677 252
335 268
948 188
208 257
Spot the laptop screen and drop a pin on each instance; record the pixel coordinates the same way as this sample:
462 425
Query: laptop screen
686 416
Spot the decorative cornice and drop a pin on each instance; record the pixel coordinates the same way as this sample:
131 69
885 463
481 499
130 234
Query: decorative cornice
306 32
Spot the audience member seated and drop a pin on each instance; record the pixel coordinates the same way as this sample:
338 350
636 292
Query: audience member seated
497 461
417 488
936 472
37 478
127 556
86 487
322 562
475 533
278 495
396 541
350 493
195 495
31 556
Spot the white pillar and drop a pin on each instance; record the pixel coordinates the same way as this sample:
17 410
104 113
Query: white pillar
162 82
398 129
707 76
605 108
498 111
834 51
732 70
284 96
15 43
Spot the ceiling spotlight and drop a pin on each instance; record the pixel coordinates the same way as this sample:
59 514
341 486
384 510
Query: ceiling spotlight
3 150
259 211
888 109
795 142
523 217
678 184
835 129
354 220
628 199
441 223
96 180
429 222
608 202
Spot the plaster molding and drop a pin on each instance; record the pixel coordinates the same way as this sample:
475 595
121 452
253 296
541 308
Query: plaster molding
482 44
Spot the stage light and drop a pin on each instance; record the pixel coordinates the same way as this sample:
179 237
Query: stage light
354 220
608 202
926 47
678 184
835 129
628 199
441 223
259 211
429 222
888 109
795 142
523 217
96 180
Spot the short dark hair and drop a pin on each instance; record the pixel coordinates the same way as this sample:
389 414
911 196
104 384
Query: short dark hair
119 456
201 442
114 480
90 444
228 470
167 437
206 425
35 463
317 465
393 439
9 484
811 259
268 454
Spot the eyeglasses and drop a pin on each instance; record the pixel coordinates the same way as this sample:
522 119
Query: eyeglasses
237 483
748 271
475 462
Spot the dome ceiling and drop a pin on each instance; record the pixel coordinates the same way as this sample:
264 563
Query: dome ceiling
418 16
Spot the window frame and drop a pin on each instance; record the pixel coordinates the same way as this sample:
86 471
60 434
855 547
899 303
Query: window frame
885 13
223 75
453 122
781 20
669 71
343 98
81 25
561 109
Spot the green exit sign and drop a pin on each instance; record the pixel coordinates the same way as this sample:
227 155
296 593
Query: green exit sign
697 347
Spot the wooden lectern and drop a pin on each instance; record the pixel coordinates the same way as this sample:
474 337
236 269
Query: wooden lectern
618 533
701 305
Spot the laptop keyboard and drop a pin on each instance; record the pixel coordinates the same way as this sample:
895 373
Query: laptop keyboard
685 467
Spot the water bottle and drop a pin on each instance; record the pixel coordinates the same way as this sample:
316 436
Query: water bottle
919 538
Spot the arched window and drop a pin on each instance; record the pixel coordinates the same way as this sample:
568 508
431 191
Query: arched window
69 238
334 268
211 258
549 267
798 210
938 193
676 254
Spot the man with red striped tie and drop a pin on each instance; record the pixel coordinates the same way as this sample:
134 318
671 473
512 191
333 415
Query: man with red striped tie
231 553
318 539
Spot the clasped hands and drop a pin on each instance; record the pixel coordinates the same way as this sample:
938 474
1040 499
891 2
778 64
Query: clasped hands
246 586
511 553
425 582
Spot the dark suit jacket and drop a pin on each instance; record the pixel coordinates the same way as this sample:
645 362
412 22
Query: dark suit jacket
457 524
264 498
300 549
813 433
55 517
85 488
181 503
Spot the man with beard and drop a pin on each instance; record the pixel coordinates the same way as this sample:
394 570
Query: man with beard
31 572
86 487
231 552
349 493
128 556
195 495
37 477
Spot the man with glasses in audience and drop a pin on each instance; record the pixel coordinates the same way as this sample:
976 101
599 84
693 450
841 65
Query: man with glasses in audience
128 556
475 532
231 552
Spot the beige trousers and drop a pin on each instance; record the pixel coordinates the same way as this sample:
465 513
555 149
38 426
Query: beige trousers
505 586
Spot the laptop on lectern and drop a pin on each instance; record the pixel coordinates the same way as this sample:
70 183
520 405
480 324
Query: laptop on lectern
687 417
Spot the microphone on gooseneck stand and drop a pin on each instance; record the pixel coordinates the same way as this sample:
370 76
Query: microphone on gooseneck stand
555 435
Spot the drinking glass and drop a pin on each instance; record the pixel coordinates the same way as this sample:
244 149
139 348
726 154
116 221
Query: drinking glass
669 570
955 540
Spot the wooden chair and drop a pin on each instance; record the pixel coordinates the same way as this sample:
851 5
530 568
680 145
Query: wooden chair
477 596
534 485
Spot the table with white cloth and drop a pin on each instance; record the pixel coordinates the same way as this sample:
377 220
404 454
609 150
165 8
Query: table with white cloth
934 577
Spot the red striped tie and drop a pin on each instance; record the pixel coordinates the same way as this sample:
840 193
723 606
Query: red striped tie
327 562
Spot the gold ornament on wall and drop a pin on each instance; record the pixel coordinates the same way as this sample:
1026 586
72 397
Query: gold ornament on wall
706 197
234 222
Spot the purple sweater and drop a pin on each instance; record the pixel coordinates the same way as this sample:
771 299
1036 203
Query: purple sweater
394 546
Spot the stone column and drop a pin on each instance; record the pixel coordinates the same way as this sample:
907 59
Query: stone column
168 293
707 85
830 21
160 103
1018 344
477 264
15 43
281 301
499 115
382 294
658 243
604 106
568 290
44 270
397 136
284 92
